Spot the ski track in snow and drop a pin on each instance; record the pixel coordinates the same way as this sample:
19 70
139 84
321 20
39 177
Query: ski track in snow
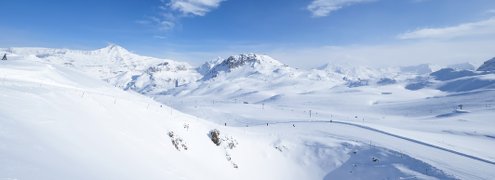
389 134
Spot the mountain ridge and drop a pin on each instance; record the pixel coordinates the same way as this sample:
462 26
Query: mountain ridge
127 70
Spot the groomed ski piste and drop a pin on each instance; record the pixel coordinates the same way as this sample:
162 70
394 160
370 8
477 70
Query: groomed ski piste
85 121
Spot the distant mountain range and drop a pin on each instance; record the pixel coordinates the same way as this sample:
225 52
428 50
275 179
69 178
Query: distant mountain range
249 73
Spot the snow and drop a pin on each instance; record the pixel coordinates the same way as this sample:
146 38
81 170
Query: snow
419 69
488 65
116 65
113 114
462 66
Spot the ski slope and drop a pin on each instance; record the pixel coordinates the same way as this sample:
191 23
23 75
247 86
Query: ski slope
57 123
109 114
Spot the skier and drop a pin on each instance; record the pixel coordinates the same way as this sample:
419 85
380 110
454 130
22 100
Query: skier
4 57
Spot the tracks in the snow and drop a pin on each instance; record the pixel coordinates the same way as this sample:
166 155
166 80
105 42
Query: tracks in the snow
389 134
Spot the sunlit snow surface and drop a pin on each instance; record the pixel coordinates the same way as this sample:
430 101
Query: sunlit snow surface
60 121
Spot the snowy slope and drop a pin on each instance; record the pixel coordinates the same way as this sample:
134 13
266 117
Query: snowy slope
59 123
244 75
384 99
115 65
259 76
488 65
458 80
246 63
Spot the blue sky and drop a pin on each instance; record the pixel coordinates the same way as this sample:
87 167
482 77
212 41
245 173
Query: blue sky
302 33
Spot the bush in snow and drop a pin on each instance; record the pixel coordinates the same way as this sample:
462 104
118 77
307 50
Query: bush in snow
231 142
281 148
227 155
178 143
215 136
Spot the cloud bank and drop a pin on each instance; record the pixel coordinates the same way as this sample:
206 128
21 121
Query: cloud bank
484 27
320 8
172 11
193 7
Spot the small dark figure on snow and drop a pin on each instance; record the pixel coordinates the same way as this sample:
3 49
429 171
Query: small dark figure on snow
293 125
4 57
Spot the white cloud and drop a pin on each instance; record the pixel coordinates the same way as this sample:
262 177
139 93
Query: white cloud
320 8
485 27
194 7
171 11
386 55
375 55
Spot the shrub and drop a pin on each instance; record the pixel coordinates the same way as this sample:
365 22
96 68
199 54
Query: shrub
177 141
231 142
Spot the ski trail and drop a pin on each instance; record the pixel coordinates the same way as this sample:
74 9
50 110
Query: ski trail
389 134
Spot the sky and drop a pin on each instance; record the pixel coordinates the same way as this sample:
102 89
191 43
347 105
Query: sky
301 33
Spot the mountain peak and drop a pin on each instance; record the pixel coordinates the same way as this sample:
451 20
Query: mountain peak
488 65
251 59
113 49
462 66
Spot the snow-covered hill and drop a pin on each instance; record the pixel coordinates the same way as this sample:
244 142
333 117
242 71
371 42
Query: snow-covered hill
259 76
488 65
59 120
457 79
244 74
58 123
115 65
247 64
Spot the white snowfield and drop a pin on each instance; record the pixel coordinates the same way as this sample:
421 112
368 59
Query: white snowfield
112 114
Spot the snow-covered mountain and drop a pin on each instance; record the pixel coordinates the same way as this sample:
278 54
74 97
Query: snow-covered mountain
457 79
248 64
245 73
58 120
462 66
115 65
488 65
